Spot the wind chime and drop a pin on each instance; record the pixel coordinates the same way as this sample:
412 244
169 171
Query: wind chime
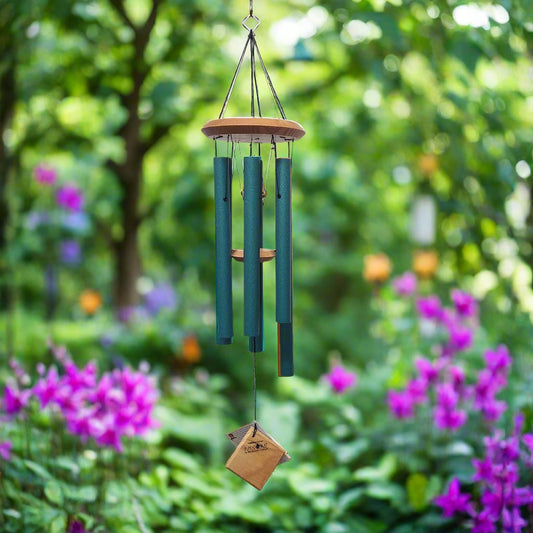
257 454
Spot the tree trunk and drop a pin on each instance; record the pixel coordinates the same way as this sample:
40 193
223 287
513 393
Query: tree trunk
130 173
7 106
127 254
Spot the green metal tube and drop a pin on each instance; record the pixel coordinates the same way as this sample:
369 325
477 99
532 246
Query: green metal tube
283 242
285 350
253 236
224 298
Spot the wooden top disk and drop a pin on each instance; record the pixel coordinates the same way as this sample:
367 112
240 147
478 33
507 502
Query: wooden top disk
253 130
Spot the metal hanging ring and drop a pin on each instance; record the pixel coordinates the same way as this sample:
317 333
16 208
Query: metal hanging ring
249 17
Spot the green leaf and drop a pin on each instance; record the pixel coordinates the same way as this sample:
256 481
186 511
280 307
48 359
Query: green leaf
417 491
386 468
178 458
80 494
386 491
58 524
38 469
349 498
53 492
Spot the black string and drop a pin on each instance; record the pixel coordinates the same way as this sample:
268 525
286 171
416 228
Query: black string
255 391
254 74
269 81
252 68
226 100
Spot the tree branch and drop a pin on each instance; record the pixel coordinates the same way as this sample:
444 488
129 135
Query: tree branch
118 5
158 133
142 35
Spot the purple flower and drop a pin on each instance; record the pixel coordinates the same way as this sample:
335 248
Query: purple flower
401 404
77 222
460 337
522 496
125 314
498 361
406 284
417 389
493 409
527 439
5 450
44 175
45 389
449 418
484 522
429 307
427 371
447 396
458 376
341 379
15 400
70 252
483 470
465 304
454 501
512 520
36 219
160 297
77 527
70 198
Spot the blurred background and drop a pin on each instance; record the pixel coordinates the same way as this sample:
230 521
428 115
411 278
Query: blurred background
417 157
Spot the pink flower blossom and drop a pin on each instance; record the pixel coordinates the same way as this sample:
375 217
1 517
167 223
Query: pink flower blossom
429 307
44 175
340 379
5 450
465 304
499 360
484 522
427 370
417 389
461 337
46 388
406 284
69 197
116 405
449 418
457 375
401 404
454 501
14 400
493 409
483 470
512 520
447 396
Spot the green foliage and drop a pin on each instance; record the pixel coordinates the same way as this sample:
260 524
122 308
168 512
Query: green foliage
390 82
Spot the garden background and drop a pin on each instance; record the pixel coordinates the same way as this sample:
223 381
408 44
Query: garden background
116 398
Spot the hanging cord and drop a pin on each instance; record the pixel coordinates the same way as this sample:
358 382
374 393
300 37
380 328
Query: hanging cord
269 81
230 90
254 75
254 86
252 72
255 393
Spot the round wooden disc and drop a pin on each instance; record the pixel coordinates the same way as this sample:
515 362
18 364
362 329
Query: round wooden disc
266 254
253 130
